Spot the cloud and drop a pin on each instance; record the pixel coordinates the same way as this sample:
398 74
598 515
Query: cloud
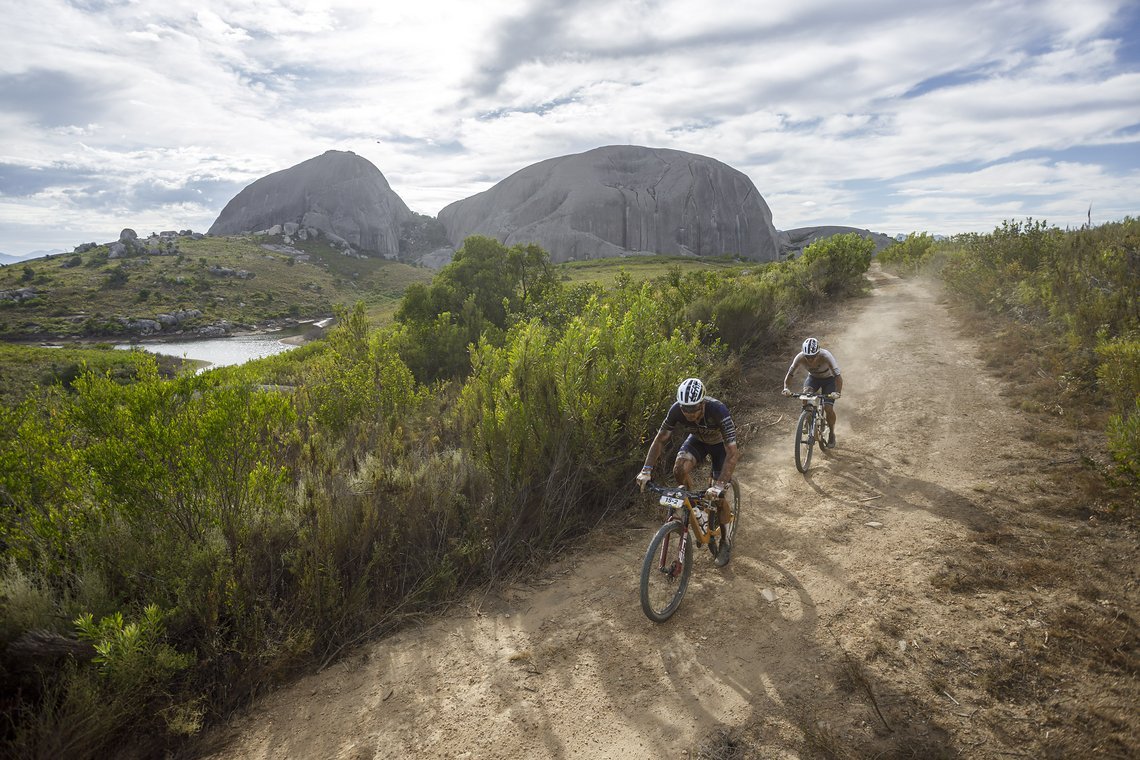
840 113
51 98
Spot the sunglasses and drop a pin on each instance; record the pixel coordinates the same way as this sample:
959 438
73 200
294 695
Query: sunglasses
691 408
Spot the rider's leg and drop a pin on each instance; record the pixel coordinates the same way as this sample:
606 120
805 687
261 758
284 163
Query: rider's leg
683 469
724 509
828 386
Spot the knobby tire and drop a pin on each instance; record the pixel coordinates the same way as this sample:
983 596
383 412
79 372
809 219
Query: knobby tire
805 439
662 590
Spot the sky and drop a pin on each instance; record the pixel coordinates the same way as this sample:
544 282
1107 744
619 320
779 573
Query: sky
898 116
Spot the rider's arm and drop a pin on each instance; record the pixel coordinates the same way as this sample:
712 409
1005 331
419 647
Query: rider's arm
839 382
659 442
792 369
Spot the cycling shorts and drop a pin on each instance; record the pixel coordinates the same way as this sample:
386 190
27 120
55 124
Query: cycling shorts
698 449
823 385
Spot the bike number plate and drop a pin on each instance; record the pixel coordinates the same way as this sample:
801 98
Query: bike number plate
672 502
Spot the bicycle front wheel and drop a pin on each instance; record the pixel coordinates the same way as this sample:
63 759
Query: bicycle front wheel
665 572
804 440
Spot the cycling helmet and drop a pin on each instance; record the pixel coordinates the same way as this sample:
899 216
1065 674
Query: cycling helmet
811 347
690 392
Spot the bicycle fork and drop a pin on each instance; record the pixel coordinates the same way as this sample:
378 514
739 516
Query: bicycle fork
674 570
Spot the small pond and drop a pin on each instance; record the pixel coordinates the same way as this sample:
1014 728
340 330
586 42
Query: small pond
233 349
217 352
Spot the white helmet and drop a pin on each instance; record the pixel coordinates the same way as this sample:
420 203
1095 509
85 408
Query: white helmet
690 392
811 347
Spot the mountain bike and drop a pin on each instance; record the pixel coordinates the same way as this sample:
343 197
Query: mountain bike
692 520
811 429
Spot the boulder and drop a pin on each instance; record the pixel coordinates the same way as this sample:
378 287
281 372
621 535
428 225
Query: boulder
619 200
340 194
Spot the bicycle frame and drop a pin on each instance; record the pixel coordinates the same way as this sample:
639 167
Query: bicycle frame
681 505
815 400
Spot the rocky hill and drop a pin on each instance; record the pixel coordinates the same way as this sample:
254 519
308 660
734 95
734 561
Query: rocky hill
619 200
338 195
793 242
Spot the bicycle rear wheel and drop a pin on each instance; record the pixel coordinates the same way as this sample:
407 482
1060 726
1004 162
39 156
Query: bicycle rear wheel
665 572
824 433
804 439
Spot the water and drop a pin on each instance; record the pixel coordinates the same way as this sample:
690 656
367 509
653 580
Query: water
220 352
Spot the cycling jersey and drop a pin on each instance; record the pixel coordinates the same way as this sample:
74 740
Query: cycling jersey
823 364
714 426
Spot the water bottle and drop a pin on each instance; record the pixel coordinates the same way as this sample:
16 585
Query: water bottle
702 518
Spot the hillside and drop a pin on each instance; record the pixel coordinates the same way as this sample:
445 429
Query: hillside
194 286
87 296
929 589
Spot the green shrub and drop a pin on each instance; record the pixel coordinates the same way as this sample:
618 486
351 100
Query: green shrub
1077 291
1124 442
908 256
132 657
548 409
1119 376
1119 369
835 266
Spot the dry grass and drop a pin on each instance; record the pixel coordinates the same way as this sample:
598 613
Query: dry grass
1063 567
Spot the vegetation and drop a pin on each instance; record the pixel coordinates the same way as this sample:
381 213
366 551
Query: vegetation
421 234
1074 293
189 540
241 280
909 256
1067 311
28 369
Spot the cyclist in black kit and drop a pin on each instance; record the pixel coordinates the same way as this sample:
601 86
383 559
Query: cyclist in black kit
711 433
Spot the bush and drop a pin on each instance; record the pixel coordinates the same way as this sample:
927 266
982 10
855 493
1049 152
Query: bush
1076 289
835 266
1124 442
547 409
908 256
1119 377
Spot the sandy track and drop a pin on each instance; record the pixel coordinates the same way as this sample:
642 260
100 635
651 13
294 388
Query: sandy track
567 665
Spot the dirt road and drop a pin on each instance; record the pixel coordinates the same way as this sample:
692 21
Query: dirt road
825 635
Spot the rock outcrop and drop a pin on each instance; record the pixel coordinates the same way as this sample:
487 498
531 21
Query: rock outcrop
793 242
620 200
340 194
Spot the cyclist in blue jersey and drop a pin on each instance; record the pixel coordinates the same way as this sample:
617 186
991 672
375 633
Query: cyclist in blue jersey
823 377
710 433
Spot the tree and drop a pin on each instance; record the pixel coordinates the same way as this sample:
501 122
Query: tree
477 296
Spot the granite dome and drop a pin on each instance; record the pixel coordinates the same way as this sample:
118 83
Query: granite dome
620 200
339 193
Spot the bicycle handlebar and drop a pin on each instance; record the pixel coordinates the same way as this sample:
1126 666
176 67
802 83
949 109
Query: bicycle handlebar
675 491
